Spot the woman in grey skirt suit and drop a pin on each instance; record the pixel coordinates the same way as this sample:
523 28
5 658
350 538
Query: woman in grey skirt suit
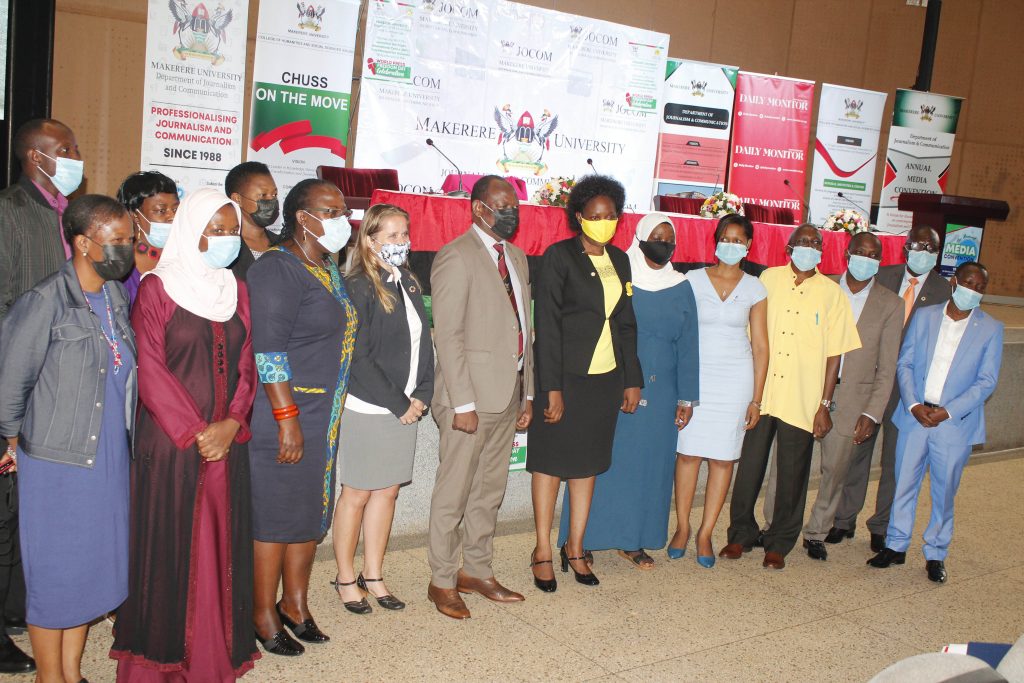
392 381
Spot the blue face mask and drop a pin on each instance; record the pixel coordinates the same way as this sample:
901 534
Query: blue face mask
921 262
805 258
337 232
158 232
68 175
730 253
966 299
862 268
221 250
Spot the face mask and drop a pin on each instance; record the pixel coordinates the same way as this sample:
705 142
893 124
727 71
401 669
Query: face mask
599 231
658 252
921 261
267 211
118 259
68 175
862 268
221 250
506 221
730 253
336 232
805 258
966 299
158 232
393 254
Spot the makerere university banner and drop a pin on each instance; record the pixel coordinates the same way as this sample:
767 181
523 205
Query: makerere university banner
768 162
693 148
194 93
302 83
845 150
920 146
510 89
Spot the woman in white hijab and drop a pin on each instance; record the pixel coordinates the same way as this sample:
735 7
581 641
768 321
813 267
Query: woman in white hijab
632 499
189 610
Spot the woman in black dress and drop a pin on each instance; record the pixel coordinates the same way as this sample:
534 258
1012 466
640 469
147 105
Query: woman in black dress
587 368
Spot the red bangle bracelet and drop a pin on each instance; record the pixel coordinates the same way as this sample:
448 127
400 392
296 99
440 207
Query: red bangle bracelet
285 413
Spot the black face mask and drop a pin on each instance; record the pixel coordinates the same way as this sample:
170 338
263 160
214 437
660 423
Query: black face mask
658 252
267 211
118 259
506 221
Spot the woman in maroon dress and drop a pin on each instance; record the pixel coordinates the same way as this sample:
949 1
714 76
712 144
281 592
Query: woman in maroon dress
188 616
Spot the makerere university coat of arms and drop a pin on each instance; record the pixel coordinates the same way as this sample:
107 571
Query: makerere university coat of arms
199 34
523 143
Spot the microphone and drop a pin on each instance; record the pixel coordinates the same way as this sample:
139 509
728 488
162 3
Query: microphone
792 191
717 178
866 214
461 192
590 163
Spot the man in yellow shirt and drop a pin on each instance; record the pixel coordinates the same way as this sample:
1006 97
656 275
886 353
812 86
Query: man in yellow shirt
810 327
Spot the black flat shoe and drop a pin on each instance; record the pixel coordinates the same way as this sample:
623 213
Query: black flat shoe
887 557
360 606
281 644
388 601
877 543
587 579
12 659
546 585
837 535
816 550
936 571
306 630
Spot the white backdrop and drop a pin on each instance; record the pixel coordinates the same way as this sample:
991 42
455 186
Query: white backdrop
509 89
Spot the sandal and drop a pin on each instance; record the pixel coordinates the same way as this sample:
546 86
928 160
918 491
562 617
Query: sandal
639 558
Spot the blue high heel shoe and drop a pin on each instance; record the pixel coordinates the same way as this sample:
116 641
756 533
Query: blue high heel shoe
677 553
706 561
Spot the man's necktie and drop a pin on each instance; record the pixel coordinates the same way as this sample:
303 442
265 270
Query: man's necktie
507 281
908 300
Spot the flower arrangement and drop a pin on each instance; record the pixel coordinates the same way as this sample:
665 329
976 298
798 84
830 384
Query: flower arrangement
554 192
721 204
847 220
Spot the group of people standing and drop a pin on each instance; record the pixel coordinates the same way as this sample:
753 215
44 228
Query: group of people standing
183 390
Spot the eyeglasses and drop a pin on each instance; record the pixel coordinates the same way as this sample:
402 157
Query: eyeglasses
332 213
814 243
921 246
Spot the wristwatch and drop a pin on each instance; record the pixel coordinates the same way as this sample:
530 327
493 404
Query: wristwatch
829 405
686 404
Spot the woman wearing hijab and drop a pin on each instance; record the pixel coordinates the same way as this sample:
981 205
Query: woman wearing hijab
188 616
632 499
67 401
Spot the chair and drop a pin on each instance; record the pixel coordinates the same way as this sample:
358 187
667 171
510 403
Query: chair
358 184
687 205
757 213
451 183
784 216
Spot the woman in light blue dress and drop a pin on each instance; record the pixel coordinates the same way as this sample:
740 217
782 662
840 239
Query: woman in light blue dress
733 365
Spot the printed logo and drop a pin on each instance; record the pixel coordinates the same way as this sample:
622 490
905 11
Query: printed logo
853 108
523 144
388 68
608 105
697 88
199 34
639 101
927 110
508 47
311 17
575 32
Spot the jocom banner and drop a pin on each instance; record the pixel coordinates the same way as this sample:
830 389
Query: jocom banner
696 119
510 89
845 150
302 84
768 154
194 92
920 146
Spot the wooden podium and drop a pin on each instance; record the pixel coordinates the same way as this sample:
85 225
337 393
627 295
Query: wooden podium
960 222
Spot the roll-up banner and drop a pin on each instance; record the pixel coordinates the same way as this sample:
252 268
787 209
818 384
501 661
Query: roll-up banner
302 83
696 119
920 147
771 129
510 89
194 93
845 150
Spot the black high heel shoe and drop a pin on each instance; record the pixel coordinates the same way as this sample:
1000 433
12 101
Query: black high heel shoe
388 601
586 579
306 630
546 585
281 644
360 606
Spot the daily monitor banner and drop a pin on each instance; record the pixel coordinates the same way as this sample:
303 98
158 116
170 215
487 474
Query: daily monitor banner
768 162
302 83
693 147
920 147
194 93
845 150
509 89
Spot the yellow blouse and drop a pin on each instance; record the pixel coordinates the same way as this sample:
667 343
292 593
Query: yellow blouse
604 355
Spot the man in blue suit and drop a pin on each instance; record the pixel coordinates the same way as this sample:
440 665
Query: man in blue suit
948 367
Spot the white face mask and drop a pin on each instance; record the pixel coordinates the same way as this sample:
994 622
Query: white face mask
68 175
158 232
337 232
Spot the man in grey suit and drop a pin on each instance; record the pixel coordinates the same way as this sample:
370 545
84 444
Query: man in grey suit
918 285
865 381
483 390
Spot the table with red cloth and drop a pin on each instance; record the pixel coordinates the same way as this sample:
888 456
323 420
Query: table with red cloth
436 220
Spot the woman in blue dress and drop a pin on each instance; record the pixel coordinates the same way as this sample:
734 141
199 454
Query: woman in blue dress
733 365
67 402
632 499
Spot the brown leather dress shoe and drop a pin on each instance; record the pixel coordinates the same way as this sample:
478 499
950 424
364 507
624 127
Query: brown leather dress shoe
733 551
774 561
448 602
489 588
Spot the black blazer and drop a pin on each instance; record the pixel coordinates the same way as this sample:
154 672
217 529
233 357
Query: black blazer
380 361
569 315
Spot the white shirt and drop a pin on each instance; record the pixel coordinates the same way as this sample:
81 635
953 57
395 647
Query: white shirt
906 282
857 305
517 290
950 333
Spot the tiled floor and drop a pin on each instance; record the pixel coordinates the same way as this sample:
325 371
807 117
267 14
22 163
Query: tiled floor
814 621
